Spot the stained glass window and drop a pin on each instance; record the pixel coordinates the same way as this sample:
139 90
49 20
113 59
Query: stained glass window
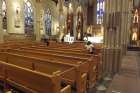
48 22
100 11
4 14
28 14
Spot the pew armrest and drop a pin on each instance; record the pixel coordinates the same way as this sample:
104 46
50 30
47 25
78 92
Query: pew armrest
66 89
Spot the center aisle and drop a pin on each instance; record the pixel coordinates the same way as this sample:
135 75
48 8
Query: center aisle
128 81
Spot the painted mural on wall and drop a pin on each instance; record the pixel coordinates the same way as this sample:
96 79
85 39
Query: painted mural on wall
48 22
28 14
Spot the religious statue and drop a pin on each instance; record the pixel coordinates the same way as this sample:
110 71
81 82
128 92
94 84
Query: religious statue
17 18
79 35
79 25
136 17
134 34
70 24
79 28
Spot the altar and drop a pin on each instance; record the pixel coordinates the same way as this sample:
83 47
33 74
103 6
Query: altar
69 39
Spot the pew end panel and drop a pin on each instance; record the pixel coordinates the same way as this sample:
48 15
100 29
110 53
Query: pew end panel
32 81
92 75
67 89
81 82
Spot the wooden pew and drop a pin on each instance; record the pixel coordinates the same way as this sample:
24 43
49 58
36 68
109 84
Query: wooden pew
30 81
58 52
64 45
87 65
74 50
66 52
72 54
16 44
69 73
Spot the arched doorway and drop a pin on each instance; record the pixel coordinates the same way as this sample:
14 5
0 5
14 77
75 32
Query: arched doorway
79 25
28 18
4 15
48 22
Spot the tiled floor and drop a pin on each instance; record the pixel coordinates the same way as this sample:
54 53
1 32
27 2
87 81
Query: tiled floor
128 80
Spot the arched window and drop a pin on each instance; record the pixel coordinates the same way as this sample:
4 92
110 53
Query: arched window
48 22
28 14
100 11
4 14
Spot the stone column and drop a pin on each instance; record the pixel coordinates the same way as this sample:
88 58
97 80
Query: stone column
84 19
104 57
112 31
109 33
75 6
123 26
1 30
38 20
129 20
61 20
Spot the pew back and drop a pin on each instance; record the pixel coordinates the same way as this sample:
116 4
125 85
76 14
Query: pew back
31 81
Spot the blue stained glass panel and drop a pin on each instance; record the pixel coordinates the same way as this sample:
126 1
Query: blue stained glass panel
48 22
28 14
100 11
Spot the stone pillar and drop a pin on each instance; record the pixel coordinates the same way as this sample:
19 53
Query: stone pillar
84 19
95 12
111 54
1 30
122 26
74 25
129 20
61 20
75 6
38 20
105 38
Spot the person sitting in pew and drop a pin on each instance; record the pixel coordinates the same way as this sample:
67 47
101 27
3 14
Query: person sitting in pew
90 48
45 39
